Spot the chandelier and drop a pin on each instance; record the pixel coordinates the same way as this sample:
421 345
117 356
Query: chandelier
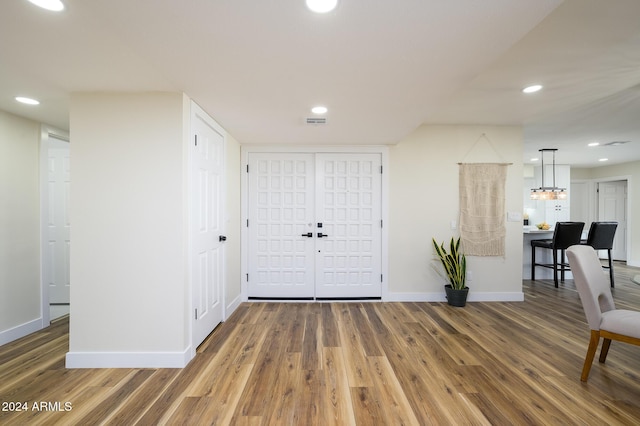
548 192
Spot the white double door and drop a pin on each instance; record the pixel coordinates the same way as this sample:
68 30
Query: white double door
314 225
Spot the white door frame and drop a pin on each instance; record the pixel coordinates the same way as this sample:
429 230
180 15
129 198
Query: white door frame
629 213
195 112
46 132
353 149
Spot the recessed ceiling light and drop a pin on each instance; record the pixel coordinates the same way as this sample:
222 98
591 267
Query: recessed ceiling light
27 101
603 159
534 159
322 6
594 144
319 110
53 5
532 89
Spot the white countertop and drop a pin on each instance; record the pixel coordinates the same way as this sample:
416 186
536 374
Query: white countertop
535 230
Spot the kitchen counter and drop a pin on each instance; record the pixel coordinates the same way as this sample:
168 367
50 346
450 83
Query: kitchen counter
535 230
544 256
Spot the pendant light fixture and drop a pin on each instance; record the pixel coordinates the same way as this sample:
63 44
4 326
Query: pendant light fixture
548 192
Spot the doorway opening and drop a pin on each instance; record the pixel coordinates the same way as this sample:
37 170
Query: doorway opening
612 205
55 167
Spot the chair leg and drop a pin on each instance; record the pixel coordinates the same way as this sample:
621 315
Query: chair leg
533 263
562 262
555 267
591 352
610 268
605 350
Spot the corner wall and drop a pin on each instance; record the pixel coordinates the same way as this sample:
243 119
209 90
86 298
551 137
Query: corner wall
128 257
20 289
424 201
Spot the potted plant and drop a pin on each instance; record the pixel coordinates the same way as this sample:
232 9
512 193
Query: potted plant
454 264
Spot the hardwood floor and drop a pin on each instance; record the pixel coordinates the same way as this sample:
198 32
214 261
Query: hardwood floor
351 363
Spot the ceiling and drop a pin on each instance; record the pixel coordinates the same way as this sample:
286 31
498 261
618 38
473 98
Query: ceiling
382 68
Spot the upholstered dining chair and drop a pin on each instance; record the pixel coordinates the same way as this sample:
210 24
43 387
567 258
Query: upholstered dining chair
604 319
565 234
601 235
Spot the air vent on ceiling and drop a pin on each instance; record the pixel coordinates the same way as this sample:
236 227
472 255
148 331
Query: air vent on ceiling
316 120
616 143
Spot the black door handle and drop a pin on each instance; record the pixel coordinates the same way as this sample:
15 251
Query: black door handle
308 234
320 235
222 238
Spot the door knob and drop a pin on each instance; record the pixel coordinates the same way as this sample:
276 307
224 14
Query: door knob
320 235
222 238
308 234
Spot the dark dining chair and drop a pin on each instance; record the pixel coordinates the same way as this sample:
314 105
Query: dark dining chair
565 234
601 235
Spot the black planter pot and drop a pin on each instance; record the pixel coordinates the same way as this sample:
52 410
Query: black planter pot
456 297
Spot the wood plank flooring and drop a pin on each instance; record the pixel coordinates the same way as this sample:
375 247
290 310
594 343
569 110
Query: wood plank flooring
351 363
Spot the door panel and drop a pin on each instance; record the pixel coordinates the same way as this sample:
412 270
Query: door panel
314 225
280 216
59 241
207 227
612 206
348 196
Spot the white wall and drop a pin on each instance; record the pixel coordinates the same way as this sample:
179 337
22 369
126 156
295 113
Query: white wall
129 227
20 307
233 284
424 201
630 172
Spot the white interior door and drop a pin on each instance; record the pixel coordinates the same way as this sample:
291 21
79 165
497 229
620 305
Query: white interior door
281 226
207 234
58 225
612 206
348 199
314 226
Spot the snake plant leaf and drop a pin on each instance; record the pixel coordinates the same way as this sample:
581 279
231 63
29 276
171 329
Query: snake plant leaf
454 262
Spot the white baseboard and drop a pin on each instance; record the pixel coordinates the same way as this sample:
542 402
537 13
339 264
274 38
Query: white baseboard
128 359
232 306
440 297
20 331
